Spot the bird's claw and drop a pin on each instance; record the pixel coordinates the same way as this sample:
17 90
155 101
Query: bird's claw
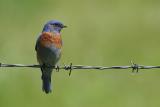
57 68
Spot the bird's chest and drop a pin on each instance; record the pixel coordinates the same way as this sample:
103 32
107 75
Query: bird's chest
49 39
49 48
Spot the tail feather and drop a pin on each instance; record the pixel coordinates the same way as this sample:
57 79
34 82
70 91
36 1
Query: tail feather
46 80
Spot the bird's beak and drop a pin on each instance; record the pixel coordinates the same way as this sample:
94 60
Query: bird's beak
64 26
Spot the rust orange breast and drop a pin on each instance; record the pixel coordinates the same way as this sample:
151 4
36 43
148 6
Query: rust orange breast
47 39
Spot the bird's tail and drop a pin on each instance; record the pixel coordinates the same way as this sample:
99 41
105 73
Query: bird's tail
46 80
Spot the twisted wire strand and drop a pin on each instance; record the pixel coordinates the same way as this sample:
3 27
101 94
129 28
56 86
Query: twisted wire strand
70 67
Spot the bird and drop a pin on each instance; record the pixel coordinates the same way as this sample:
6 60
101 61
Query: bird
48 51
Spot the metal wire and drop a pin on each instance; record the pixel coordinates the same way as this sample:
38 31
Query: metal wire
133 66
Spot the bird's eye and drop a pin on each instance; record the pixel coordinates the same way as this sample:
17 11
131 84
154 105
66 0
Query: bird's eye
57 25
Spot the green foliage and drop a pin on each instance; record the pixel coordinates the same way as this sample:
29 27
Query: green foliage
100 32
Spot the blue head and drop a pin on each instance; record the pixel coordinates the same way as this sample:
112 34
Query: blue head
53 26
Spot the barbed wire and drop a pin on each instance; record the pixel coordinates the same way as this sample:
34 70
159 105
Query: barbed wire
133 66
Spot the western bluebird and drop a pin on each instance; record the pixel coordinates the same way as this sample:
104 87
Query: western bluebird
48 48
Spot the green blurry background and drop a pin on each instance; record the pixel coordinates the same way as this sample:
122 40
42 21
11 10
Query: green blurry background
100 32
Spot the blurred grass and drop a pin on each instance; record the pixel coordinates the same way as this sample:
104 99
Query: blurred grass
100 32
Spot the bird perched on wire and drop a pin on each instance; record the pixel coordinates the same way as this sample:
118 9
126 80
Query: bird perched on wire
48 48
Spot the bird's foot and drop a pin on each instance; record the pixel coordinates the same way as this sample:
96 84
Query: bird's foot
57 68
